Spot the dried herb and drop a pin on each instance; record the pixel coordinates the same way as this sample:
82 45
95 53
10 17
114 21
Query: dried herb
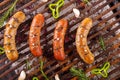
102 44
7 13
78 73
41 69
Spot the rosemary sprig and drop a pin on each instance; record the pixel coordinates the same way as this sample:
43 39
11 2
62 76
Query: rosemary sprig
28 65
101 42
7 13
78 73
41 70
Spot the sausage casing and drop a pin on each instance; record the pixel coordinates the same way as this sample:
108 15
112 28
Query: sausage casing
9 35
81 41
34 35
58 40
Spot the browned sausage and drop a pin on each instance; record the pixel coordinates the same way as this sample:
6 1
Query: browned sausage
81 41
9 35
34 35
58 40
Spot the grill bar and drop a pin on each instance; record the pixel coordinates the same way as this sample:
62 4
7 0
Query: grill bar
4 2
26 5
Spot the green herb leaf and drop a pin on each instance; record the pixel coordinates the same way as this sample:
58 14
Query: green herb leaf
2 50
102 44
28 65
41 69
7 13
78 73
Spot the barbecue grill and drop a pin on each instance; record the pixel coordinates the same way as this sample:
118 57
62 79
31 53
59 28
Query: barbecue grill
106 23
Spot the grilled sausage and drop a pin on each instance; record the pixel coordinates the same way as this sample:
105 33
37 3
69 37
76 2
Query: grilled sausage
58 40
34 35
9 35
81 41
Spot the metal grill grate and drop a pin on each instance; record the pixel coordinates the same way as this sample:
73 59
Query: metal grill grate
106 18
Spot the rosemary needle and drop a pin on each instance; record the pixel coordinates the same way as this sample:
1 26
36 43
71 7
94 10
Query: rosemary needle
7 13
41 69
78 73
28 65
102 44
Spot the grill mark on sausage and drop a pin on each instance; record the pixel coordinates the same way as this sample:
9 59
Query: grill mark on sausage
37 26
57 39
8 36
11 26
7 44
9 51
82 46
59 29
85 28
16 19
58 48
33 35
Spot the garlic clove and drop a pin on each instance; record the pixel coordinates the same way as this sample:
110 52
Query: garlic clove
76 12
22 75
44 0
57 77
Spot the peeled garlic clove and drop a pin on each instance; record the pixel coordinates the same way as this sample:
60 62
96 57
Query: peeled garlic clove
57 77
44 0
22 75
76 12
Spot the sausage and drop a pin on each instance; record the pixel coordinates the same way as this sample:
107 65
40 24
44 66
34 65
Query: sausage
58 40
81 41
9 35
34 35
